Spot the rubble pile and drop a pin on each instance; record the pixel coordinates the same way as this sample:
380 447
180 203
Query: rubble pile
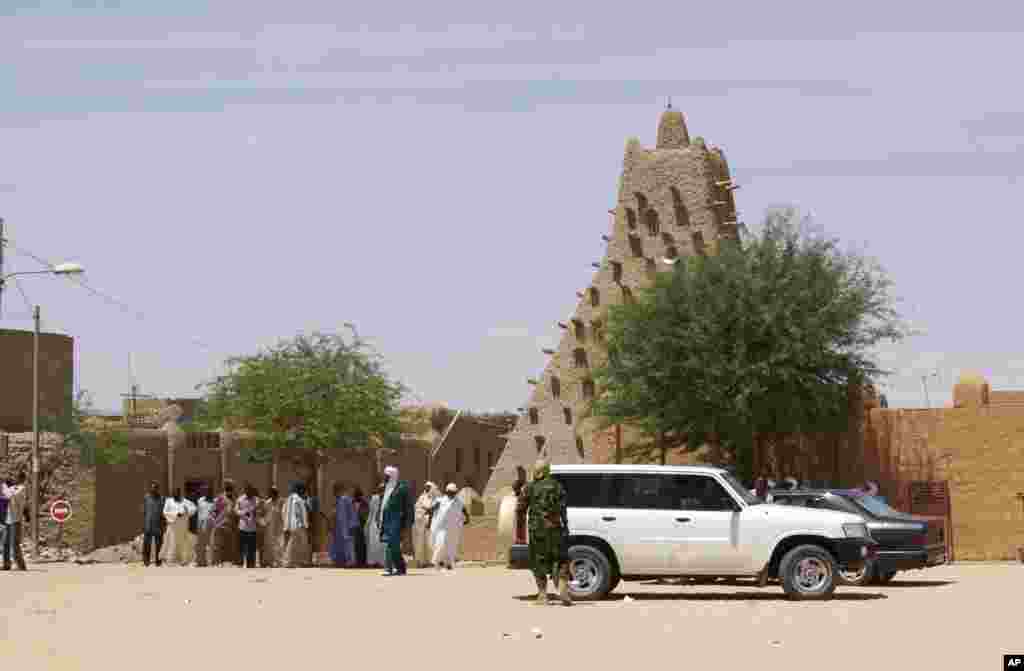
47 553
115 554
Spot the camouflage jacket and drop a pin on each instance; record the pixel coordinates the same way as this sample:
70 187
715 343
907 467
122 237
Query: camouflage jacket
546 502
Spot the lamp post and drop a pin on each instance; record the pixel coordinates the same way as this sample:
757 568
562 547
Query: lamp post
62 269
924 384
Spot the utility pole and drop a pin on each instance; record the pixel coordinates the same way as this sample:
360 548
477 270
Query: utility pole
924 384
1 268
34 501
132 416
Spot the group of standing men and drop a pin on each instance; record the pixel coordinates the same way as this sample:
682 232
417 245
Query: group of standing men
237 530
228 529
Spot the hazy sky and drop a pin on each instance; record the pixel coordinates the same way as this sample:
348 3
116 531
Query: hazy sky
440 173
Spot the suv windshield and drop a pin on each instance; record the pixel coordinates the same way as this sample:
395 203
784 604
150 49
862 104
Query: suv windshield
740 490
876 506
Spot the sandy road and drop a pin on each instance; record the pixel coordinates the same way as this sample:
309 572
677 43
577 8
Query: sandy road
113 617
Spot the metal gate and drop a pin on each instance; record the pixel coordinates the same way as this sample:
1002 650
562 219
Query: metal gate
931 499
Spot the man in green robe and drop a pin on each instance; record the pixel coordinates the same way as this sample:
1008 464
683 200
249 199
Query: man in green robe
545 501
394 518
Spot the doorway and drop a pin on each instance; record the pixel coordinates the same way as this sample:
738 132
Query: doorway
194 488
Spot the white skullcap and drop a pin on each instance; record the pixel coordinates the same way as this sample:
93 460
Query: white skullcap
452 488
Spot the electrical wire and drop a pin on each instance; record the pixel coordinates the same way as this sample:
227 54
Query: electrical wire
138 314
24 296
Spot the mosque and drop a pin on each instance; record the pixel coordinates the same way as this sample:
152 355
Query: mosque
674 200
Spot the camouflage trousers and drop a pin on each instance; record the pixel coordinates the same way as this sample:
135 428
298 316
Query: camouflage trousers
548 553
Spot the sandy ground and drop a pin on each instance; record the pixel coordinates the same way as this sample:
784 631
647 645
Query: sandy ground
59 616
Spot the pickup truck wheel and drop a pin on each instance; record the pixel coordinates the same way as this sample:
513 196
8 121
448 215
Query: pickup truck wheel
858 578
808 573
590 573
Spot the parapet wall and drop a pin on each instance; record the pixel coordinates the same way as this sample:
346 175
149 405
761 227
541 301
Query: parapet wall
56 377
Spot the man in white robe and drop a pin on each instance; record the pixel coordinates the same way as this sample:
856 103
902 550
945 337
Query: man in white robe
204 526
374 547
273 527
450 517
297 550
177 546
421 525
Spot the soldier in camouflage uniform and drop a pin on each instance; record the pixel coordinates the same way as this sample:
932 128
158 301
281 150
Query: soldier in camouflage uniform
545 501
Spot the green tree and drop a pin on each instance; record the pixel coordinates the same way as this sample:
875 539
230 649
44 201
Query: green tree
320 391
763 338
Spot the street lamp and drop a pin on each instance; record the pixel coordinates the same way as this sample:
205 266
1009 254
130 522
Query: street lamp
62 269
59 269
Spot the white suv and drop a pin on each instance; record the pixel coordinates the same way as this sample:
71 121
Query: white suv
645 522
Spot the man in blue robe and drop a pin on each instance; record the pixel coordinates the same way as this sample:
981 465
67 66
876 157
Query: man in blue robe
345 520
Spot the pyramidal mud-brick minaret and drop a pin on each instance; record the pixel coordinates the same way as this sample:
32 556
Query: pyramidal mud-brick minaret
674 200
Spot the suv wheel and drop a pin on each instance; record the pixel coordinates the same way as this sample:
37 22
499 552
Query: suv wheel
859 578
590 573
808 573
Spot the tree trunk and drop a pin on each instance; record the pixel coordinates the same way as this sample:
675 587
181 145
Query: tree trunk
662 450
618 443
758 457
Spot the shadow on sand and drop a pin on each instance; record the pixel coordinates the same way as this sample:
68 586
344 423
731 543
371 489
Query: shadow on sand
917 583
705 596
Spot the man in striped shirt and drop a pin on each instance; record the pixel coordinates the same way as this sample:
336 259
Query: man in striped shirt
15 496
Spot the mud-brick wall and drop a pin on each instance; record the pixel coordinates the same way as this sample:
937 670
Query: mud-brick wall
121 488
56 377
241 470
411 460
980 451
197 463
350 467
70 481
469 452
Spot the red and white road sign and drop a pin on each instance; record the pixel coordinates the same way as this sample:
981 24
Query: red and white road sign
60 511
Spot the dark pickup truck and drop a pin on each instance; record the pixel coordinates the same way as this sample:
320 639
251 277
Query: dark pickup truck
905 542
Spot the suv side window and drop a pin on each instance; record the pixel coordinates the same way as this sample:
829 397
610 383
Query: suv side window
701 492
641 492
583 490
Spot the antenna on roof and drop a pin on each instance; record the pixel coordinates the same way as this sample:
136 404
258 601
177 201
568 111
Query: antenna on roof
134 396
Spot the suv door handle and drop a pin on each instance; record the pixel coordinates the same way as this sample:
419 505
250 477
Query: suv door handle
608 519
683 519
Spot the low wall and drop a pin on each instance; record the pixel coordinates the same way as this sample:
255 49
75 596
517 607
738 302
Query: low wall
70 481
121 488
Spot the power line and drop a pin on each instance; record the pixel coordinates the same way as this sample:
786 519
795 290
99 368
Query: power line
138 314
24 296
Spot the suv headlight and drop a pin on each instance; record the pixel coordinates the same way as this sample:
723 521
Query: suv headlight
856 530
